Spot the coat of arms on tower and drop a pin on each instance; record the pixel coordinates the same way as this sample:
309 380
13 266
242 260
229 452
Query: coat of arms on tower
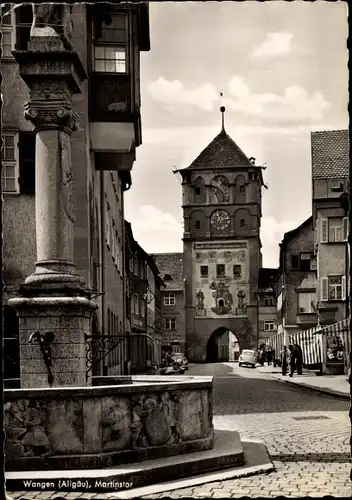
200 310
222 297
241 304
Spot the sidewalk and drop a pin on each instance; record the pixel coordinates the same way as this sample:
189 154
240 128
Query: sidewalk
336 385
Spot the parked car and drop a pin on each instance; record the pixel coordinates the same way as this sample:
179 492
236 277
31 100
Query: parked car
247 357
181 359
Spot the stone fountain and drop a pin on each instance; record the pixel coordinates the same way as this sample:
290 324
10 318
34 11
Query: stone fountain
58 425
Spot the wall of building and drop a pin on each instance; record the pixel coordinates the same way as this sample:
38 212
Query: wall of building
303 242
332 260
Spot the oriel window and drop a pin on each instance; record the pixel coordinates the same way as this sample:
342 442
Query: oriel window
110 44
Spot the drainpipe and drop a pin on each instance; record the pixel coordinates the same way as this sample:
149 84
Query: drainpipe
102 259
123 271
350 296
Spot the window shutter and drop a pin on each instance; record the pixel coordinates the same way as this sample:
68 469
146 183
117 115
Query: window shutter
26 159
343 287
345 228
324 290
324 231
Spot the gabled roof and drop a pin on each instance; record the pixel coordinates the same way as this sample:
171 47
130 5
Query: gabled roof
221 152
172 264
267 276
290 234
330 154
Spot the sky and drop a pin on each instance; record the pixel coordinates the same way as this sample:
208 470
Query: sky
282 67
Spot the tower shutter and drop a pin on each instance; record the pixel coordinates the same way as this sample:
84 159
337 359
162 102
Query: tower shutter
324 231
324 290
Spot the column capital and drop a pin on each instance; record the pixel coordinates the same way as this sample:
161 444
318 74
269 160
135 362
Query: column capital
51 112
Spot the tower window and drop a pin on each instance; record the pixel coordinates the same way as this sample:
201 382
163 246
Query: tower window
220 270
242 223
197 225
242 189
237 271
197 191
203 271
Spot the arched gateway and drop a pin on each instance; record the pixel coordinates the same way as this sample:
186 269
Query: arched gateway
222 345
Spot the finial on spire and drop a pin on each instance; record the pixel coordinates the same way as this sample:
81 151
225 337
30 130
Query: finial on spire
222 109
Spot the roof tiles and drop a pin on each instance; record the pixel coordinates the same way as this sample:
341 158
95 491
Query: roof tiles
330 154
221 152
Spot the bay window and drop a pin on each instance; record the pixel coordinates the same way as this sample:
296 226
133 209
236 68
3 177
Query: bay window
110 43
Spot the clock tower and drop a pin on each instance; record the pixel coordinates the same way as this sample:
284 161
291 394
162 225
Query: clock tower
222 193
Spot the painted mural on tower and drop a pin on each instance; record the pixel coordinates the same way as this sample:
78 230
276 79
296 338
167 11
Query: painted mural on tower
221 279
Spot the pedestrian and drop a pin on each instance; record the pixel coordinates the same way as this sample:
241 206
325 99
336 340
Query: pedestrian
284 359
299 358
292 359
269 356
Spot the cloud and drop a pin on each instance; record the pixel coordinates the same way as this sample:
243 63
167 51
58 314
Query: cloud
295 105
156 231
274 44
175 93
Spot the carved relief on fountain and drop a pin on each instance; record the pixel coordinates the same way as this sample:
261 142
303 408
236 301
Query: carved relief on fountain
59 430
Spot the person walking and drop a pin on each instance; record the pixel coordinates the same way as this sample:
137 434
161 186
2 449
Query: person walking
284 358
299 358
269 356
292 359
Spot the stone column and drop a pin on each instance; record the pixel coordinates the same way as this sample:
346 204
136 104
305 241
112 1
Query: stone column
55 310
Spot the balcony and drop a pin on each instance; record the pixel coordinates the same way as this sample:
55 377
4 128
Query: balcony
307 320
115 120
137 320
110 97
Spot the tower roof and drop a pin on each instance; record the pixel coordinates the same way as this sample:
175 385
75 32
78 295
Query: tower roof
221 152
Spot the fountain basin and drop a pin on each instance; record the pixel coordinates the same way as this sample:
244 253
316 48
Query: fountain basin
72 428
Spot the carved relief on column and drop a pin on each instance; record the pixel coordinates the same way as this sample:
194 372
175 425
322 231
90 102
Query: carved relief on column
50 107
66 175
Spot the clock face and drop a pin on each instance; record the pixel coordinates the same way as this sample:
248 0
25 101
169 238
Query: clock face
220 221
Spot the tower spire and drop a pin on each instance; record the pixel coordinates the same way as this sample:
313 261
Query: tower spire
222 109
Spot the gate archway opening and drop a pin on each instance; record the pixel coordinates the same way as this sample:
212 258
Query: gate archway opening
222 346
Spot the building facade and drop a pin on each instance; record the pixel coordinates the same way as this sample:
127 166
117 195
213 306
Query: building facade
296 285
267 319
108 40
330 169
222 192
170 266
143 306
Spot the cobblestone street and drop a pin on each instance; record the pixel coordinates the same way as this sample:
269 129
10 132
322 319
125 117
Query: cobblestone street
306 433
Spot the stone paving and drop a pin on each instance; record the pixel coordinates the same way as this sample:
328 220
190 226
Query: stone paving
309 447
